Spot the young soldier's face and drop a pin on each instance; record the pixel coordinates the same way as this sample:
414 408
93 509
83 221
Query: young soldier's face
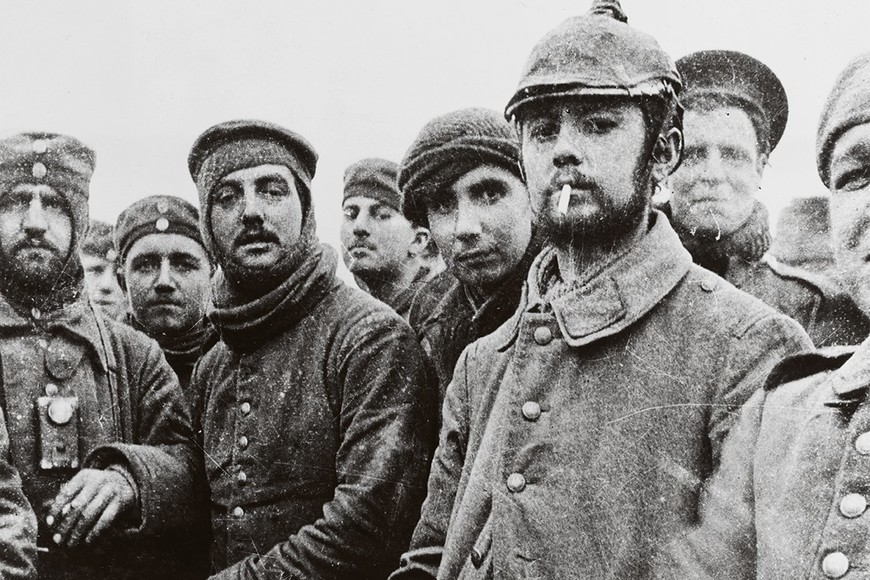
376 239
714 188
595 147
850 211
102 283
482 226
35 233
167 278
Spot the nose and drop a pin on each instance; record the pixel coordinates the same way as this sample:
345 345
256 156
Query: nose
361 225
35 221
252 213
566 150
467 227
106 280
164 281
713 167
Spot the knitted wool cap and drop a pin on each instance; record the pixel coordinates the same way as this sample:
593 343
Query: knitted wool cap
373 178
847 106
234 145
597 54
448 147
738 75
99 242
63 163
157 214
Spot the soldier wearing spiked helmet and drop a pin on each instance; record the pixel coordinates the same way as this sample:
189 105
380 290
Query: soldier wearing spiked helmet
576 437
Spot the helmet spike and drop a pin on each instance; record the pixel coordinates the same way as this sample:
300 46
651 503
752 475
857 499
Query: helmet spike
610 8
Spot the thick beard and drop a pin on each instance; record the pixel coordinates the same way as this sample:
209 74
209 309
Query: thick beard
33 282
608 227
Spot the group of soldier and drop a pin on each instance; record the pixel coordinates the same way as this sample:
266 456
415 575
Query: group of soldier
548 372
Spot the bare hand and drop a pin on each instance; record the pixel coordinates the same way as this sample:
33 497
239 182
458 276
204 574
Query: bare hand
88 504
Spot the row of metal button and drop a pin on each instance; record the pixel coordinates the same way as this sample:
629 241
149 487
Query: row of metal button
852 505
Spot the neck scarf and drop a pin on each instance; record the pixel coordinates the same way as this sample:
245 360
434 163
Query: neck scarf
244 324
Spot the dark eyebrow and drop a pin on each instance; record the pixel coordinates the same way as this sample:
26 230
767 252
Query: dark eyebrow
488 184
185 255
147 256
271 178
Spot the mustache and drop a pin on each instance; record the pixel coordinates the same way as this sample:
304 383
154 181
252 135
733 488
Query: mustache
575 179
361 244
254 236
31 242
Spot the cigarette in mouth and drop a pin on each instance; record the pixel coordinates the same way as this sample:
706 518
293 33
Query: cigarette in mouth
564 199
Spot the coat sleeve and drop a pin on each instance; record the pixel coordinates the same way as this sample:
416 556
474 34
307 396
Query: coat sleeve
17 520
423 557
386 422
722 545
162 455
755 351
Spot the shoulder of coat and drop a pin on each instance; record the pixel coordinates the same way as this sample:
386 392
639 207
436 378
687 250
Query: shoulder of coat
816 282
803 365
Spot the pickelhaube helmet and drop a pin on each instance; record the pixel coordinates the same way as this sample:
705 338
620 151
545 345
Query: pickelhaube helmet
597 54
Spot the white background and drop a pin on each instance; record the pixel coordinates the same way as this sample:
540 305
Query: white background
138 81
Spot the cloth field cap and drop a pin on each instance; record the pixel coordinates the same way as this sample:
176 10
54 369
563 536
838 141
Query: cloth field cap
156 214
241 144
450 146
597 54
100 241
61 162
742 77
847 106
373 178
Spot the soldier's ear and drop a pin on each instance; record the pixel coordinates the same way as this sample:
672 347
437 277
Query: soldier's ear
420 241
666 154
761 164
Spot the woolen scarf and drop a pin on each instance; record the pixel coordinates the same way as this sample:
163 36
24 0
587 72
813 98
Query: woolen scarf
245 324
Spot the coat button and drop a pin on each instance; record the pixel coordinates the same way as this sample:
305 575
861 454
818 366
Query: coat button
835 565
243 442
853 505
242 477
51 390
862 444
543 335
245 408
39 146
708 285
477 557
531 410
238 512
516 482
39 170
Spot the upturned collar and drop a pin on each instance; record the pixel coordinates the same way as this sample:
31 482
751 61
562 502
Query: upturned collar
618 295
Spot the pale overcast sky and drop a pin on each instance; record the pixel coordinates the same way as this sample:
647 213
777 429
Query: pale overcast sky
138 81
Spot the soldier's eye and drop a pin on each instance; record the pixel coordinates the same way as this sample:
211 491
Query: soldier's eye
225 194
853 180
600 125
543 128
